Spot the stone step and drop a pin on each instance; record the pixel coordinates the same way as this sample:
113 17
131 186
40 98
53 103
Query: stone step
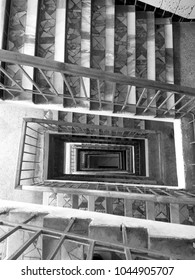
101 35
22 20
69 250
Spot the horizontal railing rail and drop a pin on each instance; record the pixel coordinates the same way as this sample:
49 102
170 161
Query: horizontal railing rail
155 193
184 101
90 129
153 202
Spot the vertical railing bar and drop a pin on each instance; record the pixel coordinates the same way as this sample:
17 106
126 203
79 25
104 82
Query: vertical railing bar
69 88
25 152
127 251
140 98
32 145
33 82
12 79
34 130
99 94
191 100
16 254
187 111
48 81
31 136
57 248
7 234
31 161
28 169
29 178
154 97
43 125
174 104
162 191
91 250
186 193
52 127
152 191
31 218
62 238
83 86
113 93
3 87
126 98
163 13
166 99
139 190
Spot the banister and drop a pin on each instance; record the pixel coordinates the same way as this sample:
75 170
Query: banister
70 69
62 123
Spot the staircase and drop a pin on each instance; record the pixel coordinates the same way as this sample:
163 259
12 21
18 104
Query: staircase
100 35
35 233
108 66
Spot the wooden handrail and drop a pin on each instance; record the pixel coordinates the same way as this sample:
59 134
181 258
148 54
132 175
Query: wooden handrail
70 69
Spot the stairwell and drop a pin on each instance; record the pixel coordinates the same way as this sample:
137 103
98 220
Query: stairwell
121 39
98 35
45 232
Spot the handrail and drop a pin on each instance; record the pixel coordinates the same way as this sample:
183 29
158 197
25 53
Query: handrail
60 123
130 192
181 104
70 69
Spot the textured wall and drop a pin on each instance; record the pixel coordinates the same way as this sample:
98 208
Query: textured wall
184 55
184 8
11 116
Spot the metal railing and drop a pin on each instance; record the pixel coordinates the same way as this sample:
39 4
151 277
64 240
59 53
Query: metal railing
32 147
183 104
92 245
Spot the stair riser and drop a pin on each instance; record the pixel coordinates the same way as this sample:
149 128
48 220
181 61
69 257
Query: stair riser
100 35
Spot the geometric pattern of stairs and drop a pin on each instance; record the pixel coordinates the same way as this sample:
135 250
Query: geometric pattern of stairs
120 40
102 36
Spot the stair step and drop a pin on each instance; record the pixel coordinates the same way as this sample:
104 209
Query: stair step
125 32
136 237
69 250
101 35
174 246
24 22
85 47
60 41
